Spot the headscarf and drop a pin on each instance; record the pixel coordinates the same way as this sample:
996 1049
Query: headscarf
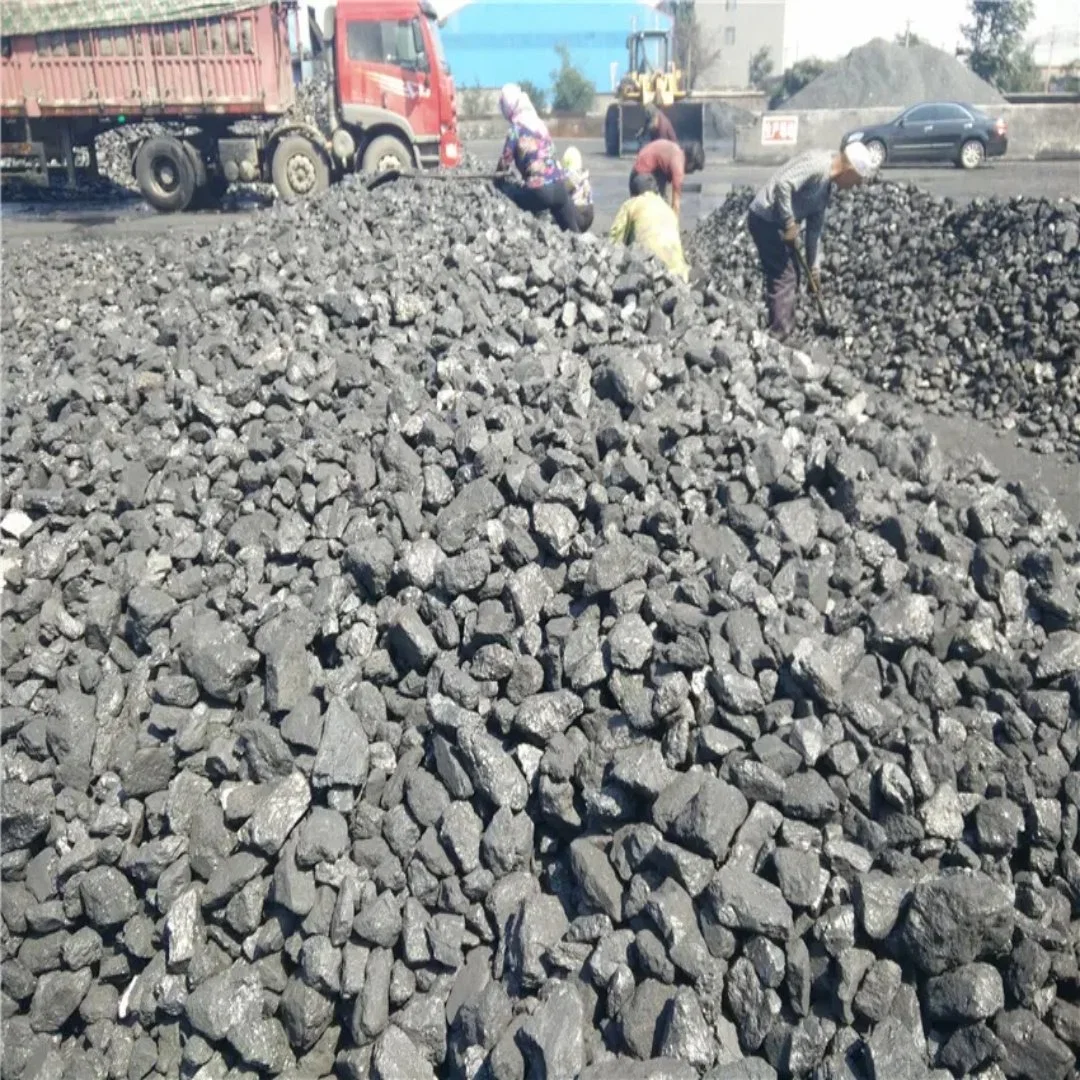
571 160
859 159
517 108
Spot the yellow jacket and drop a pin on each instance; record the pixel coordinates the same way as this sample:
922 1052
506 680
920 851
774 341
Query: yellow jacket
649 221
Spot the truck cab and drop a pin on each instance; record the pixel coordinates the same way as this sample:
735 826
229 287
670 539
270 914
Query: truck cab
393 91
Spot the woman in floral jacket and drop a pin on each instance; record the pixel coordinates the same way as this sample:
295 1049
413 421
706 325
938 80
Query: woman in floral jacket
529 147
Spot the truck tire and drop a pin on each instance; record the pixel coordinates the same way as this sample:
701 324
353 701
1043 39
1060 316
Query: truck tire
612 122
165 174
299 169
385 153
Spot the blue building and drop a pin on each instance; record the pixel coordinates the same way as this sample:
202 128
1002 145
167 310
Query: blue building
491 42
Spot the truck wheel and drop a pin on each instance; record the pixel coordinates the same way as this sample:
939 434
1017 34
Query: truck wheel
164 174
386 153
299 169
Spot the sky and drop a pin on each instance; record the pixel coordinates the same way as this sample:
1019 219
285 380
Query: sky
832 28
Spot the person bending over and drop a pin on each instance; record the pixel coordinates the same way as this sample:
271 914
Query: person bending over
646 219
529 148
669 163
797 192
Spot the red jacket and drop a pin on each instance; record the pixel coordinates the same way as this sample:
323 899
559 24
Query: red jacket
664 157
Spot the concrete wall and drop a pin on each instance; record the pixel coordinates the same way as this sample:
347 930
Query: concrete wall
1036 132
739 28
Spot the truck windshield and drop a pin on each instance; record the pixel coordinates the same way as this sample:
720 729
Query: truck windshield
386 42
436 41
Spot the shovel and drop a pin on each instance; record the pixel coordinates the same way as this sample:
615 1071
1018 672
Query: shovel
390 175
824 326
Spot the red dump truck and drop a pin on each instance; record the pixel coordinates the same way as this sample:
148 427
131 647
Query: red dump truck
72 69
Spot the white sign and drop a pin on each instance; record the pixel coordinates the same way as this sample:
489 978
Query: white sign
779 130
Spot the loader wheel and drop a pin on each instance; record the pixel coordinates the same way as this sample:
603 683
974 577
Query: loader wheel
165 174
386 153
611 131
298 169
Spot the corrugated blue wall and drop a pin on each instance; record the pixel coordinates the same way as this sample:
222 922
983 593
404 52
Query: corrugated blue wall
491 42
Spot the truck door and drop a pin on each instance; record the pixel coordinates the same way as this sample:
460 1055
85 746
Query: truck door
444 98
386 70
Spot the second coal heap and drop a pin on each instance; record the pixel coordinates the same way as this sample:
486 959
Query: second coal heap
433 645
966 309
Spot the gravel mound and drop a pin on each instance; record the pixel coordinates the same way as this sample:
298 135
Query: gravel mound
438 646
884 73
969 309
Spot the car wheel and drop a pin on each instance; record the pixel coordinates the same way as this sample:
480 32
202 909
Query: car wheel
876 149
972 154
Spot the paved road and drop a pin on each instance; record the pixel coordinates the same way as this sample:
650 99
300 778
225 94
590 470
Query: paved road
1004 179
609 177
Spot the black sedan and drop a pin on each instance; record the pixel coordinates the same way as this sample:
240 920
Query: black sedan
934 131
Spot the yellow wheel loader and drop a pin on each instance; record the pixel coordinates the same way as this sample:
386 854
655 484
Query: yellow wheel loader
653 78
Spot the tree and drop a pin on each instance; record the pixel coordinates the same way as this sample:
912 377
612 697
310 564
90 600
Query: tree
1024 76
693 48
571 90
761 69
908 39
537 95
995 38
1068 82
795 78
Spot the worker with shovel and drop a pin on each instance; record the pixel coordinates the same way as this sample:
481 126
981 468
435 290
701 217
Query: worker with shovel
799 192
529 147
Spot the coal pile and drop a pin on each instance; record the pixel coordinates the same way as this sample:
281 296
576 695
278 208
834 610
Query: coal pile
883 73
969 309
434 645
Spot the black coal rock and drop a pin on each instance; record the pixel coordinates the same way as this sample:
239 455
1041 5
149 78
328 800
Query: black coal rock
967 309
436 646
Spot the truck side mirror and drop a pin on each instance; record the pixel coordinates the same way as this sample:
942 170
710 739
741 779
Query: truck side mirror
329 20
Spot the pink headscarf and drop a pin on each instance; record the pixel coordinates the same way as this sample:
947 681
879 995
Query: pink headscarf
517 108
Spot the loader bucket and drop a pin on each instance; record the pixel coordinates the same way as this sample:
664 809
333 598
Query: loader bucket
625 119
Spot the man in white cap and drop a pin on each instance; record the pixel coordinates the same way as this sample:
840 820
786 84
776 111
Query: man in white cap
798 192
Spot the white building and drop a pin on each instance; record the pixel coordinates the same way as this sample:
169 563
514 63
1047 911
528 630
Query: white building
739 28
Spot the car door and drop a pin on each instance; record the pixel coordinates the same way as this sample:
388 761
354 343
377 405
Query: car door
913 133
954 126
916 136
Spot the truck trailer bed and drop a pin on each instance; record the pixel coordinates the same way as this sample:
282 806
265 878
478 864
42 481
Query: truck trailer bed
233 62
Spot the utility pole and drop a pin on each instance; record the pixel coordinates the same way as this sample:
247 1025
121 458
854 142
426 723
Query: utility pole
907 34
